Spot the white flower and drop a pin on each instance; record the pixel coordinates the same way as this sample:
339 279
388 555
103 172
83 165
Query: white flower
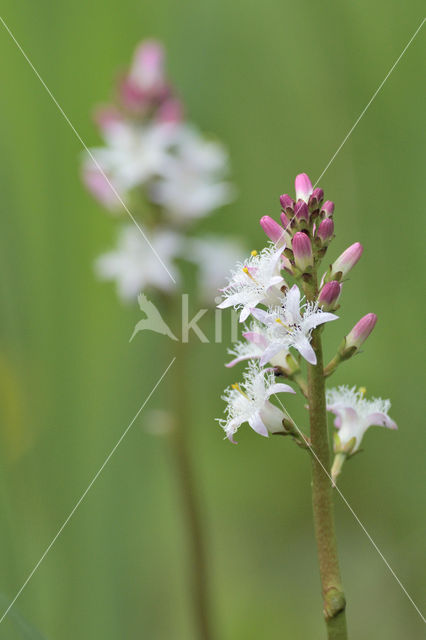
354 414
133 155
134 265
254 348
287 327
250 403
214 258
191 182
255 281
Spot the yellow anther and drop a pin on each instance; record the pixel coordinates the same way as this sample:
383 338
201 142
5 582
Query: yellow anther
237 387
246 271
362 391
282 323
254 252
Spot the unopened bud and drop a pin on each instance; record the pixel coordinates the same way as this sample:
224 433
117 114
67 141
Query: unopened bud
301 211
316 198
284 220
303 187
361 331
329 295
328 208
273 230
302 250
325 231
286 202
347 260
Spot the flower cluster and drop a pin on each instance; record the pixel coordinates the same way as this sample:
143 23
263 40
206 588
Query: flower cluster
285 317
164 171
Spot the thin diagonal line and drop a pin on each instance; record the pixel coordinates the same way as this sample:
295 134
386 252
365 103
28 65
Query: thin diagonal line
309 445
84 494
371 100
92 157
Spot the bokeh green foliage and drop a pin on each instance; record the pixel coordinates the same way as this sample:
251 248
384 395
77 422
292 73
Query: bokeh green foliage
281 83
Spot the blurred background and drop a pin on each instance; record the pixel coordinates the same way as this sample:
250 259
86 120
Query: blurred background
280 83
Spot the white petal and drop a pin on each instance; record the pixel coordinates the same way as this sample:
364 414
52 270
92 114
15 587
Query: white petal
316 319
257 425
304 348
380 419
271 350
280 387
261 315
292 303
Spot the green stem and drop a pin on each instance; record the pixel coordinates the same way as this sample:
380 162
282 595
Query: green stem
322 499
187 483
332 366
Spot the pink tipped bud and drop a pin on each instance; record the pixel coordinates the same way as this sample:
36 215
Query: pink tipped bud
328 208
284 220
273 230
348 259
303 187
302 250
301 211
147 70
286 202
361 331
326 230
329 295
316 198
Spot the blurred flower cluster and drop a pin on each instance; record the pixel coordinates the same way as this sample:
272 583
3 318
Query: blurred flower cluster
283 321
166 174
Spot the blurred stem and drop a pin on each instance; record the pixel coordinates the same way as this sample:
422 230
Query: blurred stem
322 498
187 484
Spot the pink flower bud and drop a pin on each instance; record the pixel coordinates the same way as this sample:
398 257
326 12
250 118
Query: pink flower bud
284 220
348 259
329 295
361 331
303 187
316 198
147 70
302 250
301 211
273 230
326 230
328 208
286 202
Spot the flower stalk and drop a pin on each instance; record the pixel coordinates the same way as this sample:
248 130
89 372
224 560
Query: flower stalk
190 502
284 322
322 499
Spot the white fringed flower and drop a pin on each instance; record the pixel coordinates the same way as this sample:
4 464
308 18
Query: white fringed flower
133 155
191 182
134 266
354 414
250 403
291 325
255 281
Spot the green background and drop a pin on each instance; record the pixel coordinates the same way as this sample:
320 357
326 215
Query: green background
281 83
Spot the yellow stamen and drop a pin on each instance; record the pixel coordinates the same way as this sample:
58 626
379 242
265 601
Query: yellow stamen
246 271
254 252
362 391
282 323
237 387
